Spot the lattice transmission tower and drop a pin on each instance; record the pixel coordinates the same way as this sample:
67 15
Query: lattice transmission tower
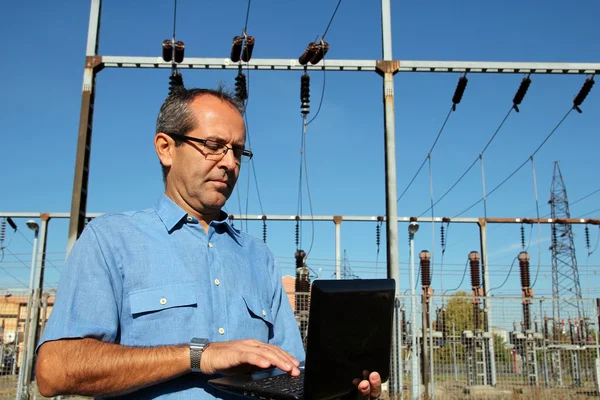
566 288
347 269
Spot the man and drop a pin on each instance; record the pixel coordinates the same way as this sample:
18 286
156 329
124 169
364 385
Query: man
138 286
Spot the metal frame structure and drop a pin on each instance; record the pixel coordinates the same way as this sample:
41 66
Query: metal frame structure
565 272
336 219
387 68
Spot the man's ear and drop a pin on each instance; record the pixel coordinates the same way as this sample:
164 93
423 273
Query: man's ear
164 145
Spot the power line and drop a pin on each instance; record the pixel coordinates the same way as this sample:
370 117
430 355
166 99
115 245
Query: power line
22 262
28 241
247 15
474 161
322 94
591 212
331 20
585 197
520 166
428 155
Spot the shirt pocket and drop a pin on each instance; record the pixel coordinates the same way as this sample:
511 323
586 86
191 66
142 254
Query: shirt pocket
259 324
163 314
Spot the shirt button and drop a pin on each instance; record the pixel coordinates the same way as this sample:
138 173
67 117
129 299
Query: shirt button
163 301
264 313
210 245
217 282
190 218
221 331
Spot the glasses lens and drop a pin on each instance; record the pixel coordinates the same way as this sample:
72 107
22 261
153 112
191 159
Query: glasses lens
212 147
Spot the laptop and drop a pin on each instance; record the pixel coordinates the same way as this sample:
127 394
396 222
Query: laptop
349 330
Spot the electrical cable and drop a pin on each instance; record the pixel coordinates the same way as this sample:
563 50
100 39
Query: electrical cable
29 241
324 69
174 19
331 20
597 241
521 166
22 262
474 161
537 210
428 155
591 212
312 220
461 281
247 15
507 276
584 197
299 206
432 218
322 95
237 189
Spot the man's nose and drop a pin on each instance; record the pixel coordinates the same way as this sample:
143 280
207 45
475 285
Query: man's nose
229 161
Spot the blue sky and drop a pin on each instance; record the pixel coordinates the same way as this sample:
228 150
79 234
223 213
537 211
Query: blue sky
41 94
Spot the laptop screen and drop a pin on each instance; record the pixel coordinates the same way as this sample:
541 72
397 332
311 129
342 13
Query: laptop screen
350 330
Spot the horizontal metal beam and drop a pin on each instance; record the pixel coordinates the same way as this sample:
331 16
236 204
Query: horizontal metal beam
359 65
350 218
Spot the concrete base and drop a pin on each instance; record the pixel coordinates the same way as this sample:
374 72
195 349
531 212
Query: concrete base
487 392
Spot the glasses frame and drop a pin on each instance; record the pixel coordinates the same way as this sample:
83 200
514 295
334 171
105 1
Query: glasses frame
244 152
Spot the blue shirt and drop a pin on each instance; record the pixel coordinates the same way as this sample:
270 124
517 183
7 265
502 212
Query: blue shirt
155 277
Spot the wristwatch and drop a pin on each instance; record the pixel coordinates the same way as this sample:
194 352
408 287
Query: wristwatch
197 346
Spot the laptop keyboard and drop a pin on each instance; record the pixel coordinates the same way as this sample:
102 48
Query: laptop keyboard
283 383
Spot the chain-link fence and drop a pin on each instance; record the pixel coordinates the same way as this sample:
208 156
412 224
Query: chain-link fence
502 346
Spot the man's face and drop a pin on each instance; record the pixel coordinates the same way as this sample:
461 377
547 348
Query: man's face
204 182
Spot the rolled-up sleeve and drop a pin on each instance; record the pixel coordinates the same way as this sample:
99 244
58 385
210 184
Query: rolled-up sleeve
87 301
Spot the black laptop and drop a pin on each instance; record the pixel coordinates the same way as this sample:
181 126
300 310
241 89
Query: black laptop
349 330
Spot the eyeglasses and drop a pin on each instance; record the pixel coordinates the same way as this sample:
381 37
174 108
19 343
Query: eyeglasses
215 150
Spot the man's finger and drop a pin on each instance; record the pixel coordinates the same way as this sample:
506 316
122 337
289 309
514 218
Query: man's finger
375 385
364 388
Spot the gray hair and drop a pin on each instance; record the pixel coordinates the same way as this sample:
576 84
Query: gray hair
175 116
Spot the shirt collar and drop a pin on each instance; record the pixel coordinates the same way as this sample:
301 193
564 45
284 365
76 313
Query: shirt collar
171 214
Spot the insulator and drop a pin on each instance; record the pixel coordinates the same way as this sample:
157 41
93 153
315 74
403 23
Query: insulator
475 276
554 240
297 231
403 322
11 223
378 235
308 53
521 92
426 272
587 237
443 238
522 236
305 94
248 47
524 268
585 90
179 51
460 90
322 50
264 219
236 48
167 50
299 255
175 82
241 91
2 231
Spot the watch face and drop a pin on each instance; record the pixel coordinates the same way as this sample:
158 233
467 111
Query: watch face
199 341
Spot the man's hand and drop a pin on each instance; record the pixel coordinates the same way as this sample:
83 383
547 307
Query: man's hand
369 387
242 355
